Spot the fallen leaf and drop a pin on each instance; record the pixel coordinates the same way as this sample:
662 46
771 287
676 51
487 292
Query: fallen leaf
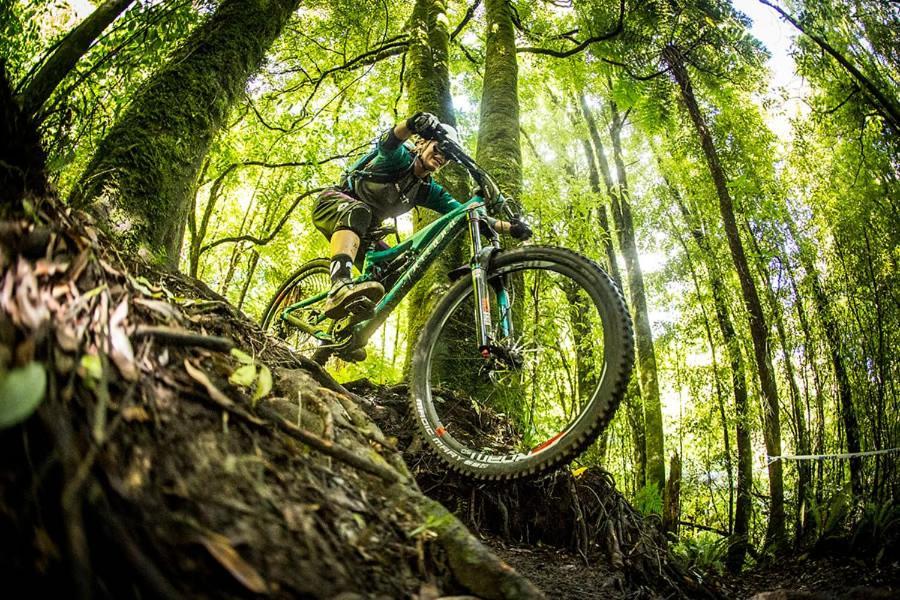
243 376
121 351
136 413
32 311
222 550
579 471
21 391
44 267
263 384
200 377
169 312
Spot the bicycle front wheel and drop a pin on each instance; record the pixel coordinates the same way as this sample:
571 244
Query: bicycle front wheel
539 396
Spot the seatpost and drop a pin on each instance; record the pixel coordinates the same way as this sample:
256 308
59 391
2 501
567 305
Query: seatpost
479 283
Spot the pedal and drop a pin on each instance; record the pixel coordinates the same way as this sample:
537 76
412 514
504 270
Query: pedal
360 310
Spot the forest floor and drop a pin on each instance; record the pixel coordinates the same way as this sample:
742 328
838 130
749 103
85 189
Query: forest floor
565 575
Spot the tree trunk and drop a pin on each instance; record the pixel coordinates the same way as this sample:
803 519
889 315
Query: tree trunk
251 269
810 356
633 401
606 233
758 327
428 89
804 472
833 337
646 356
68 53
499 151
142 176
672 507
743 511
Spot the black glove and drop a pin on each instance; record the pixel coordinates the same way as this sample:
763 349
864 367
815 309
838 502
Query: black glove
425 124
519 229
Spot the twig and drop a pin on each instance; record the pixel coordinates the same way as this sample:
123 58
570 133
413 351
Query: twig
324 446
183 337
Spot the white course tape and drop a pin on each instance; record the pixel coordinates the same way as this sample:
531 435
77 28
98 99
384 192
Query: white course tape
771 459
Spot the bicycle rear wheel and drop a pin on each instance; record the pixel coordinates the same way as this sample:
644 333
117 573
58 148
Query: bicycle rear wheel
310 279
545 392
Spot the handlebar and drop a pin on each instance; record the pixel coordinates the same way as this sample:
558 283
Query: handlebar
490 191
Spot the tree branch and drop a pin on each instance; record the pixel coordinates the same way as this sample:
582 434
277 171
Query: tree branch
465 20
886 106
262 241
584 44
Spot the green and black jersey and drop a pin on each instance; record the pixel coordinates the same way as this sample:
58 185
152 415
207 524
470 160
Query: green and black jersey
398 196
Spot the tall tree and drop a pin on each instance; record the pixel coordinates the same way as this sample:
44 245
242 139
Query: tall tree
646 355
141 179
835 347
68 52
499 151
759 330
428 89
633 401
743 511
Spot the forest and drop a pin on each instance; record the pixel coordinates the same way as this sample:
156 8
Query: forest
733 166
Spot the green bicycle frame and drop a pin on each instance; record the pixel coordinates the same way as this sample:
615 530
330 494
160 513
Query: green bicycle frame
425 246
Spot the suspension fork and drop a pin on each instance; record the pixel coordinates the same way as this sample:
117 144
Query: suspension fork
480 261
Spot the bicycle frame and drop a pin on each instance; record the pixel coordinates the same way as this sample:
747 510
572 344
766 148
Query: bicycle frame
425 246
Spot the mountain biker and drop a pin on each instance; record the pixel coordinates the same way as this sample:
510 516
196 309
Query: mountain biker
391 184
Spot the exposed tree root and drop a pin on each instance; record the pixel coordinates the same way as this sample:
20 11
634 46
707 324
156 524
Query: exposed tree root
585 514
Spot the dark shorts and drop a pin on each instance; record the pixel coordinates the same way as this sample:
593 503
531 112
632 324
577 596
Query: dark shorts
336 210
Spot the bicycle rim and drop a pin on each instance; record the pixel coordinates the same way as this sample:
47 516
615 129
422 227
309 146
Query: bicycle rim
554 391
311 279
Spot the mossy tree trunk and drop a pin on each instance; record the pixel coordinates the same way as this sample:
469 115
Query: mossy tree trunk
646 354
69 52
428 85
142 176
759 330
499 151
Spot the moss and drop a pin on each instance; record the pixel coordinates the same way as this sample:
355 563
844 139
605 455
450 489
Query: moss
499 151
145 169
428 85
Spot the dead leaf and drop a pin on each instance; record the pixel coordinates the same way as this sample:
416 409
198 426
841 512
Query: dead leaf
169 312
78 265
32 311
198 375
135 413
222 550
121 351
44 267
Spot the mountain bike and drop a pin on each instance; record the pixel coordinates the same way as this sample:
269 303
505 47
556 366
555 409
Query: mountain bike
523 359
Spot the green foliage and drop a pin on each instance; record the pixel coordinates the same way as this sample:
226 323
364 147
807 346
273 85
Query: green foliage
703 553
831 516
878 528
648 500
